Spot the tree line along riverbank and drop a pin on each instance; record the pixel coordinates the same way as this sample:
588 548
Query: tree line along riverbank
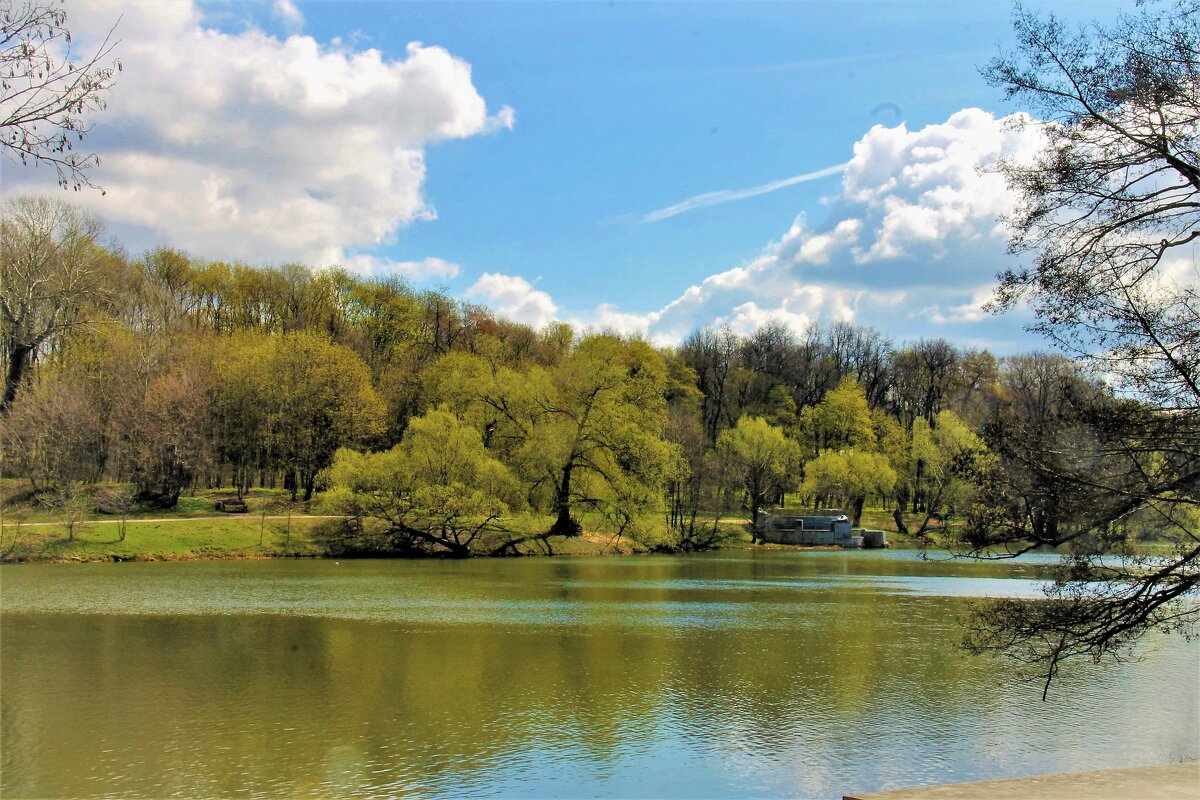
273 527
449 428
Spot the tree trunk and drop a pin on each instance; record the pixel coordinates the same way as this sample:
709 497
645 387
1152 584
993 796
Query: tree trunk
563 524
856 506
457 550
916 485
755 499
18 361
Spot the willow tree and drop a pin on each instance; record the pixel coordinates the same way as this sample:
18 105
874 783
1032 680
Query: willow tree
438 488
585 435
943 450
849 476
762 460
595 442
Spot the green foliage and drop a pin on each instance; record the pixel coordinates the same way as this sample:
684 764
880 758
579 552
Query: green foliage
894 443
841 419
848 475
438 488
762 461
289 402
324 399
941 447
584 435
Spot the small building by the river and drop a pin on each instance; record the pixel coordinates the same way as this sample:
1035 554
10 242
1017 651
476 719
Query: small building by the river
828 527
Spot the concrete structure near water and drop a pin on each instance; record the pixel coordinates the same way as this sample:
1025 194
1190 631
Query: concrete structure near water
828 528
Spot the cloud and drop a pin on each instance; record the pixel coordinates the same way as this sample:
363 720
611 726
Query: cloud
608 318
504 120
911 246
514 297
425 269
974 310
286 11
730 195
912 243
246 146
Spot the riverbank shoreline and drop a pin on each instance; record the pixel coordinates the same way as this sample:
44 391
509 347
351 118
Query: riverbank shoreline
276 527
1161 782
257 537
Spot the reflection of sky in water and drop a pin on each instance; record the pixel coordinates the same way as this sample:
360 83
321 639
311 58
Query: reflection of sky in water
355 590
928 587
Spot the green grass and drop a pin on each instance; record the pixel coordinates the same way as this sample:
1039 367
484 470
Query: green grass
226 537
200 504
220 535
194 530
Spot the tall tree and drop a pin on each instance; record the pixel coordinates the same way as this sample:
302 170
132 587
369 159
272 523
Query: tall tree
710 353
942 450
1109 208
841 419
1109 212
323 400
763 461
596 438
696 471
438 488
52 268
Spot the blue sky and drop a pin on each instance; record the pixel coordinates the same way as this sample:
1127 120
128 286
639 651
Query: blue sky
526 183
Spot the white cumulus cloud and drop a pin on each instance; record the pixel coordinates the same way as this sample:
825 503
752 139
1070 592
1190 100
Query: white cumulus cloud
287 11
912 242
911 246
514 297
426 269
247 146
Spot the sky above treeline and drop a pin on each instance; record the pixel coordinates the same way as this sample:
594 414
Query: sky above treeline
645 167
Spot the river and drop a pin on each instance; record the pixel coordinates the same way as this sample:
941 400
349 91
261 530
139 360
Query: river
732 674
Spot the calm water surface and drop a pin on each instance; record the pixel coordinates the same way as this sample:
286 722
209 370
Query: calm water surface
798 674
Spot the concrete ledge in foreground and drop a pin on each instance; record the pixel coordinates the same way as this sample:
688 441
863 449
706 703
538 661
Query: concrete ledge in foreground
1168 782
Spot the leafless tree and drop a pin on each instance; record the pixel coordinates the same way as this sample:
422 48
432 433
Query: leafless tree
70 502
120 499
1109 216
46 91
52 268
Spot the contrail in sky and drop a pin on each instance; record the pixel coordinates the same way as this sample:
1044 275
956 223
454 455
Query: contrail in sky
729 195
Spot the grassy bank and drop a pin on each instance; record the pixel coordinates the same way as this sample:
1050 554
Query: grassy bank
274 527
244 536
241 537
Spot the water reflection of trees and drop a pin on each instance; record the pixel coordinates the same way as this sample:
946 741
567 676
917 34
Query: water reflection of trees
230 704
741 663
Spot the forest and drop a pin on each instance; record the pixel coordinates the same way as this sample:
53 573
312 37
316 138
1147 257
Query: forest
429 424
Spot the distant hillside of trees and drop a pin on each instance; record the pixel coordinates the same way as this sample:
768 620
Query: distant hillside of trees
432 419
